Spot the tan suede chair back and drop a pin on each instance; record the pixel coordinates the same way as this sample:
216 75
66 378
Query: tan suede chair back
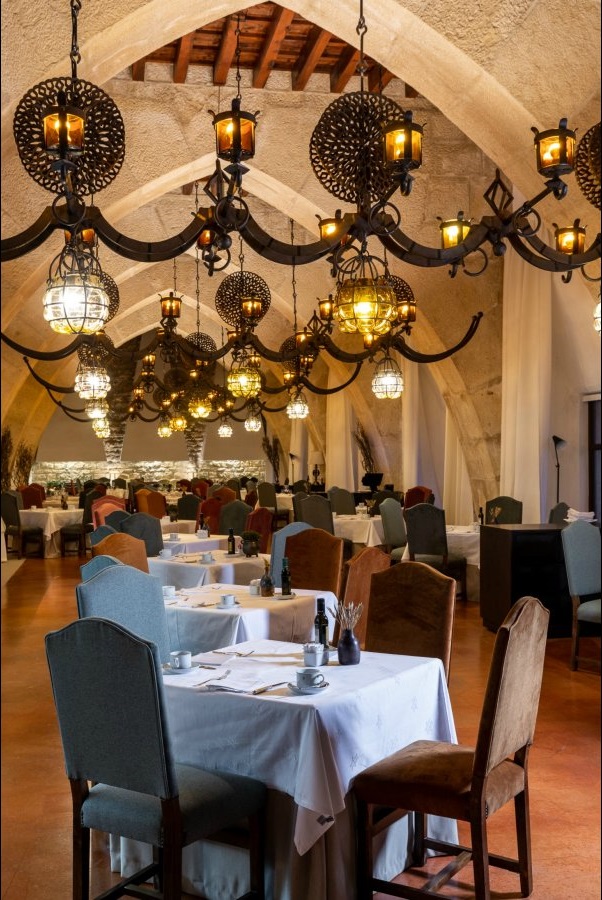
358 572
127 549
141 500
315 559
224 495
411 611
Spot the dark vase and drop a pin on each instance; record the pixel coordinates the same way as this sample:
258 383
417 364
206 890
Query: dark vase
348 648
250 548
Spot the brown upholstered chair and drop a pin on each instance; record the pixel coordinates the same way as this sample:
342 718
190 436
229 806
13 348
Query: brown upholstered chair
411 611
141 499
224 494
315 558
357 574
418 494
460 782
210 510
262 520
127 549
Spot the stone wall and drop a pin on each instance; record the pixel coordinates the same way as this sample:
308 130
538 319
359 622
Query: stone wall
150 471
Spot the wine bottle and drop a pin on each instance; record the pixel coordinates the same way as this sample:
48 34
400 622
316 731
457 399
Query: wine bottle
285 578
266 585
231 542
321 628
481 516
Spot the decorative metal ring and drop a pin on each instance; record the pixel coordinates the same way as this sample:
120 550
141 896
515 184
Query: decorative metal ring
483 267
231 292
527 230
76 204
589 277
379 227
231 212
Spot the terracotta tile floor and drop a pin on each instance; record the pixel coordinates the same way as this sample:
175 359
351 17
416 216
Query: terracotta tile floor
564 766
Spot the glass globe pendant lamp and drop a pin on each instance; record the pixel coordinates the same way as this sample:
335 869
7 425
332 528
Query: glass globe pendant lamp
253 421
225 429
365 306
164 427
97 408
387 383
244 380
297 407
75 301
101 428
92 382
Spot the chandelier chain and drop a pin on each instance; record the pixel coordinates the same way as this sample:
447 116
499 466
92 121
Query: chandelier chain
361 30
75 55
237 57
293 278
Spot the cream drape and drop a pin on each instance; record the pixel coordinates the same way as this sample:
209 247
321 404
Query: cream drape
341 454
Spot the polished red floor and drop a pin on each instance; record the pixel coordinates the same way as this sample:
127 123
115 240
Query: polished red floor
36 804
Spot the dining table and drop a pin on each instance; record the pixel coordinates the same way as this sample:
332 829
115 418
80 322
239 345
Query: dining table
190 543
197 623
246 716
51 520
186 570
362 529
465 540
182 526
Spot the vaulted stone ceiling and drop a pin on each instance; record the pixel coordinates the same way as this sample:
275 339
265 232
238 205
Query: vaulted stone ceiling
482 77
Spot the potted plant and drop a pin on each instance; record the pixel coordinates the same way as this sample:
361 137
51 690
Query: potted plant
250 543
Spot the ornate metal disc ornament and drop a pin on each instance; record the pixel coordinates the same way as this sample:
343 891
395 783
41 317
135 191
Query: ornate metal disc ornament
104 147
112 292
587 165
234 290
345 149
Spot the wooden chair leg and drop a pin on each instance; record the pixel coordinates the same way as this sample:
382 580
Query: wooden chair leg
172 870
364 860
418 846
81 862
480 858
523 840
575 645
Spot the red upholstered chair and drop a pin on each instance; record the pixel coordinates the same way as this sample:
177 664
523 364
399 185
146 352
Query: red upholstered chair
225 494
210 510
358 573
105 505
418 494
251 498
41 488
262 520
32 496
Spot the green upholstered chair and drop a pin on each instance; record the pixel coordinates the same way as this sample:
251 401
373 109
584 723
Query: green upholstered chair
234 515
146 527
427 542
394 529
120 762
342 501
581 546
20 537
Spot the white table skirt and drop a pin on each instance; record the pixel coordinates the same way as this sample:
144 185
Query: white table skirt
307 750
365 530
202 628
225 569
51 521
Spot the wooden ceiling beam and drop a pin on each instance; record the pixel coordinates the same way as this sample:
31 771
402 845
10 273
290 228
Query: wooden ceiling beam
311 54
225 53
344 70
378 78
138 70
281 19
182 60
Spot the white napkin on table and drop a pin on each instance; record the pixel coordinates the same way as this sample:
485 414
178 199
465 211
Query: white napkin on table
574 514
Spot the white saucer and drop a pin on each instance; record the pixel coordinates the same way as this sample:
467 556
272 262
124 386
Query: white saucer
222 606
308 690
286 596
167 668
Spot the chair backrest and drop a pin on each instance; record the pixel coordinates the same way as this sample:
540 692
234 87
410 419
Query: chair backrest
425 528
234 515
513 686
417 494
317 512
377 498
234 485
411 611
342 501
297 498
10 509
199 487
581 546
141 496
558 513
503 511
133 598
120 483
156 504
146 527
90 498
40 487
103 506
277 553
251 498
300 485
116 517
394 529
187 506
210 509
315 559
266 494
100 533
360 569
18 497
261 520
96 564
113 726
224 494
124 547
32 496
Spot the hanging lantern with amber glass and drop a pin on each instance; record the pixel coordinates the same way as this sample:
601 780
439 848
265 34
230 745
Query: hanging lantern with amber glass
555 150
454 231
387 383
571 239
402 149
234 133
97 409
365 306
64 127
164 427
244 380
199 404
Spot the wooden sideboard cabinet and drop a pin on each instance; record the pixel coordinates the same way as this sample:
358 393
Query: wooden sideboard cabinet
519 561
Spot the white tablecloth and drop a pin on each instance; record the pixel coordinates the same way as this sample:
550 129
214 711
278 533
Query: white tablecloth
189 543
365 530
462 540
307 750
200 628
51 521
225 569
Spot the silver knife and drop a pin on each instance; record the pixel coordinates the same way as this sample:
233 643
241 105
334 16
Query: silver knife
267 687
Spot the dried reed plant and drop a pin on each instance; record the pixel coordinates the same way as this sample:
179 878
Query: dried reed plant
347 615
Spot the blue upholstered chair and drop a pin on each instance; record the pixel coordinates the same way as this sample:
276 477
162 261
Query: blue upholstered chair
128 596
115 518
394 529
278 543
97 564
100 532
115 736
427 542
147 528
581 546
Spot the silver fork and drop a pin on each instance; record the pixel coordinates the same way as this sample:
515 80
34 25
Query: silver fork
217 678
234 652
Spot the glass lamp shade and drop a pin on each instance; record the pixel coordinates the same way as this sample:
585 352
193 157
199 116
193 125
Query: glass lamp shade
101 428
454 231
253 422
597 325
244 381
555 150
387 383
571 239
92 382
251 310
64 128
365 306
225 430
164 427
326 308
76 303
171 306
235 133
199 406
402 143
97 408
178 422
297 407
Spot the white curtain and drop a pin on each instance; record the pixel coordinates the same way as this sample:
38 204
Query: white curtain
341 466
409 425
297 467
457 493
526 385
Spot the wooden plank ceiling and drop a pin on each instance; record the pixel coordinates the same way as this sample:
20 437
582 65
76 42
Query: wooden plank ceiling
272 38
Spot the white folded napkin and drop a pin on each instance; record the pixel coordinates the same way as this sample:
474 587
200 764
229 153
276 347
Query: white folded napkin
252 679
575 514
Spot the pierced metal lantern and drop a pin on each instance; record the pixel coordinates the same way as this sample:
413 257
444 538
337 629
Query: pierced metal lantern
199 404
101 428
570 239
242 300
225 430
164 427
253 421
92 381
387 383
75 301
234 133
243 380
365 306
97 408
555 150
297 407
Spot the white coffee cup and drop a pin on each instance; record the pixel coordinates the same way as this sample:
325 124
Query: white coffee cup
169 590
33 507
202 533
309 678
312 654
180 659
165 553
227 599
174 536
206 557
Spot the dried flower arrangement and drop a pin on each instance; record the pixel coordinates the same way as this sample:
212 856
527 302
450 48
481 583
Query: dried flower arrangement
347 615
